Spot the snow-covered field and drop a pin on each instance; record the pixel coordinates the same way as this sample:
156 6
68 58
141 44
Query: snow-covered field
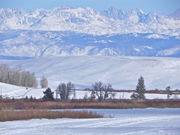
121 72
124 122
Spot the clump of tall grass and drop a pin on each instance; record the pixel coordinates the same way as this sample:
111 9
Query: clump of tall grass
10 115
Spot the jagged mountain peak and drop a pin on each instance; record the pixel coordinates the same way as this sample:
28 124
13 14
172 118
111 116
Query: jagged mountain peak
89 21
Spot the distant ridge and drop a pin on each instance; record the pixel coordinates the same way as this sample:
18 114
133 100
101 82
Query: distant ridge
28 43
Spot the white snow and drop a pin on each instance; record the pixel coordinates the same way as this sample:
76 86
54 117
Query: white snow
156 36
87 20
170 51
121 72
136 49
124 122
12 91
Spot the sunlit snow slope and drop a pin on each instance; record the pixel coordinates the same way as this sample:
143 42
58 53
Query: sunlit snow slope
13 91
122 72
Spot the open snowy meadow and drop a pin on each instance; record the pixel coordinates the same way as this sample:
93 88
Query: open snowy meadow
116 122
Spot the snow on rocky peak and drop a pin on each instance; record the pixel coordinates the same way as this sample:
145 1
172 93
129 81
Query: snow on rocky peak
90 21
67 31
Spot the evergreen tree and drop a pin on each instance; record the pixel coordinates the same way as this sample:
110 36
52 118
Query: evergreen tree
140 89
26 98
169 93
31 98
48 94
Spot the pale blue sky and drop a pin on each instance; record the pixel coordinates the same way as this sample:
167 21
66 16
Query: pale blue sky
158 6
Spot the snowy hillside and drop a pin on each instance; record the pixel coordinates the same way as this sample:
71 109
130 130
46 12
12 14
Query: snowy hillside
122 72
50 43
13 91
87 20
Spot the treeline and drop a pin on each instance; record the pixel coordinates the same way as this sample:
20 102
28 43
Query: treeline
99 91
17 77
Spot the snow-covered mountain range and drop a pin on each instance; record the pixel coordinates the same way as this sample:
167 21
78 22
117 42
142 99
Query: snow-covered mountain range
53 43
87 20
67 31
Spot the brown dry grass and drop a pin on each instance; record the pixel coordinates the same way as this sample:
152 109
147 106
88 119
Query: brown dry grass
10 115
78 104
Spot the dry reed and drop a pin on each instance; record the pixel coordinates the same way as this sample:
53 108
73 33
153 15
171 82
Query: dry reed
10 115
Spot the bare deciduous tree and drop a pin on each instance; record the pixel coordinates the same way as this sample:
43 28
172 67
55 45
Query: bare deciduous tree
44 82
102 91
17 77
64 90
